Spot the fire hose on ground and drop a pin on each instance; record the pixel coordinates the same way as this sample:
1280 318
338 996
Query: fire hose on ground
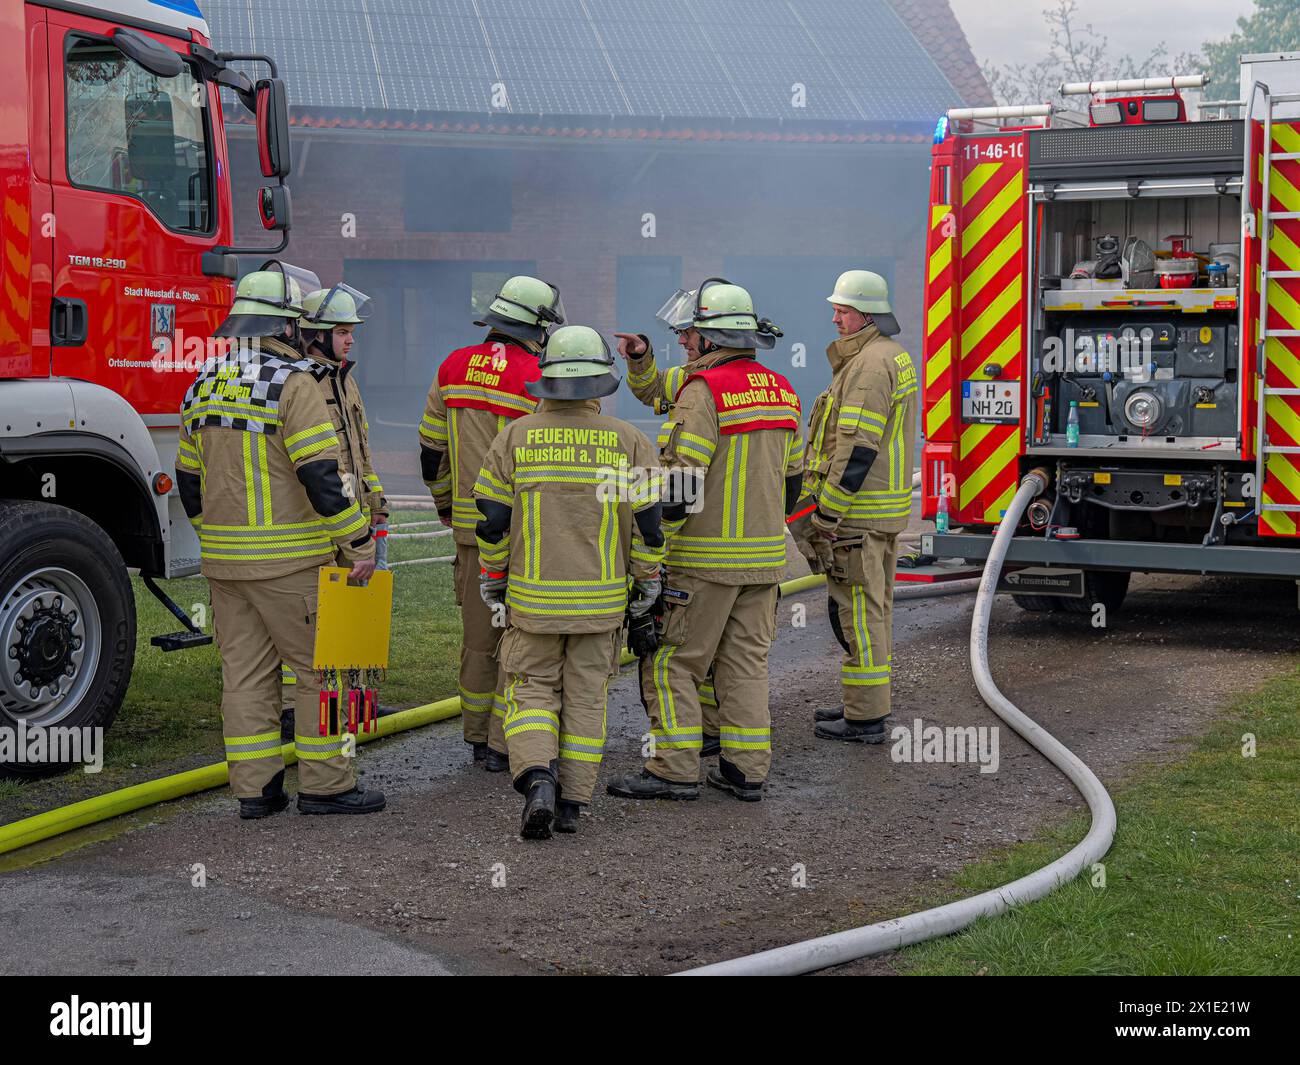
824 951
92 811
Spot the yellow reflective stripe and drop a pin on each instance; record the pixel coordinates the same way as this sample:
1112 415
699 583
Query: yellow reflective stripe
674 378
504 399
264 481
313 431
250 488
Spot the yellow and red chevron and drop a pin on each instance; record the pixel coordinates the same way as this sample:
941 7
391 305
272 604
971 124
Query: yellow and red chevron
989 323
940 423
1282 354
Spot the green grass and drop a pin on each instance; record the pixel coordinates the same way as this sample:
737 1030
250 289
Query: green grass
171 717
1202 877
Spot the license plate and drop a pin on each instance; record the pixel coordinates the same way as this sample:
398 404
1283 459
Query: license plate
990 402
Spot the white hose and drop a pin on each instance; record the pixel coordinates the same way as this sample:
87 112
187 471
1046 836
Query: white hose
419 535
422 561
813 954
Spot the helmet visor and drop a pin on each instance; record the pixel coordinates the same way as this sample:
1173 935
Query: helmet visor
678 311
298 281
342 305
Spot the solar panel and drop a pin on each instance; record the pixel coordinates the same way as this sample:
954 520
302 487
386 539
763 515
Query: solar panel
533 9
566 98
416 61
389 28
421 8
716 59
653 37
567 36
652 66
428 94
681 100
822 100
745 12
523 64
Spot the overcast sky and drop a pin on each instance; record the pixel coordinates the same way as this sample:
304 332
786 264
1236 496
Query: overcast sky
1010 31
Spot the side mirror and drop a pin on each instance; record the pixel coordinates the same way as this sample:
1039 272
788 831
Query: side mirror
272 128
273 206
158 59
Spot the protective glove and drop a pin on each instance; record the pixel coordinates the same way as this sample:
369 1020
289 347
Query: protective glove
821 540
381 545
642 636
645 593
444 516
492 586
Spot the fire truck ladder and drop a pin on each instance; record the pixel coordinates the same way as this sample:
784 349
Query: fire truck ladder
1290 397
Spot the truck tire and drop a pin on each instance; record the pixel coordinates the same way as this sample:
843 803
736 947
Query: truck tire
67 624
1100 586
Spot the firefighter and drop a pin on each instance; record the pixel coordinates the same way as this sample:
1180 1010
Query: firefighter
258 469
658 389
478 391
328 325
570 510
731 446
861 446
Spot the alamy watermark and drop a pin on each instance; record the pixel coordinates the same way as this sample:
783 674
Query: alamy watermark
952 744
52 745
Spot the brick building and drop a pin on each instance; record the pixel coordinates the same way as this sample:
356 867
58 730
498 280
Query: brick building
619 149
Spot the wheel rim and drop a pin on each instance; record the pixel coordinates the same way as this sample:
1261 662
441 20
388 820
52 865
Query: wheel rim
50 643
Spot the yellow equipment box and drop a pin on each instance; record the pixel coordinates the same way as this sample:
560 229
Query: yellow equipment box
352 621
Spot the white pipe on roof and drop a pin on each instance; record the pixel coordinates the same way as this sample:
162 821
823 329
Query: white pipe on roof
962 114
1089 88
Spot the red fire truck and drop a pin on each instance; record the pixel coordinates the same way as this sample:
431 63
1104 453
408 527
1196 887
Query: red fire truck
1117 301
117 263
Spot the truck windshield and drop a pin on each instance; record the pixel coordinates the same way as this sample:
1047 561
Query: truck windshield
133 132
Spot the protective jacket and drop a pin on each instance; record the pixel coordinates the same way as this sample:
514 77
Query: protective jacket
258 468
570 508
736 424
342 398
862 436
478 391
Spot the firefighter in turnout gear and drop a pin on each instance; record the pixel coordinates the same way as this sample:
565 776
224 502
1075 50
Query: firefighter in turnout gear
658 389
570 543
861 449
480 390
733 458
258 469
328 324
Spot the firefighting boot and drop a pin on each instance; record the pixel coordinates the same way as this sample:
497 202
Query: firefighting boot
566 816
728 778
853 731
272 800
829 713
712 745
537 786
496 761
356 801
480 750
645 785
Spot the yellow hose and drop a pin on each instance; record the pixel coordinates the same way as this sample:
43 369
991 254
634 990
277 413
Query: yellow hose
126 800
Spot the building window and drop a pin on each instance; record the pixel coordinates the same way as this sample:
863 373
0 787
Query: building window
135 133
458 190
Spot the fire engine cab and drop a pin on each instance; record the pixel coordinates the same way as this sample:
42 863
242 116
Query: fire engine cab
1116 300
117 265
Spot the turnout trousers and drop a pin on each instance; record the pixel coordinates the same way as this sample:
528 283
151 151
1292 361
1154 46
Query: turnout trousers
861 588
481 683
555 693
259 624
731 628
